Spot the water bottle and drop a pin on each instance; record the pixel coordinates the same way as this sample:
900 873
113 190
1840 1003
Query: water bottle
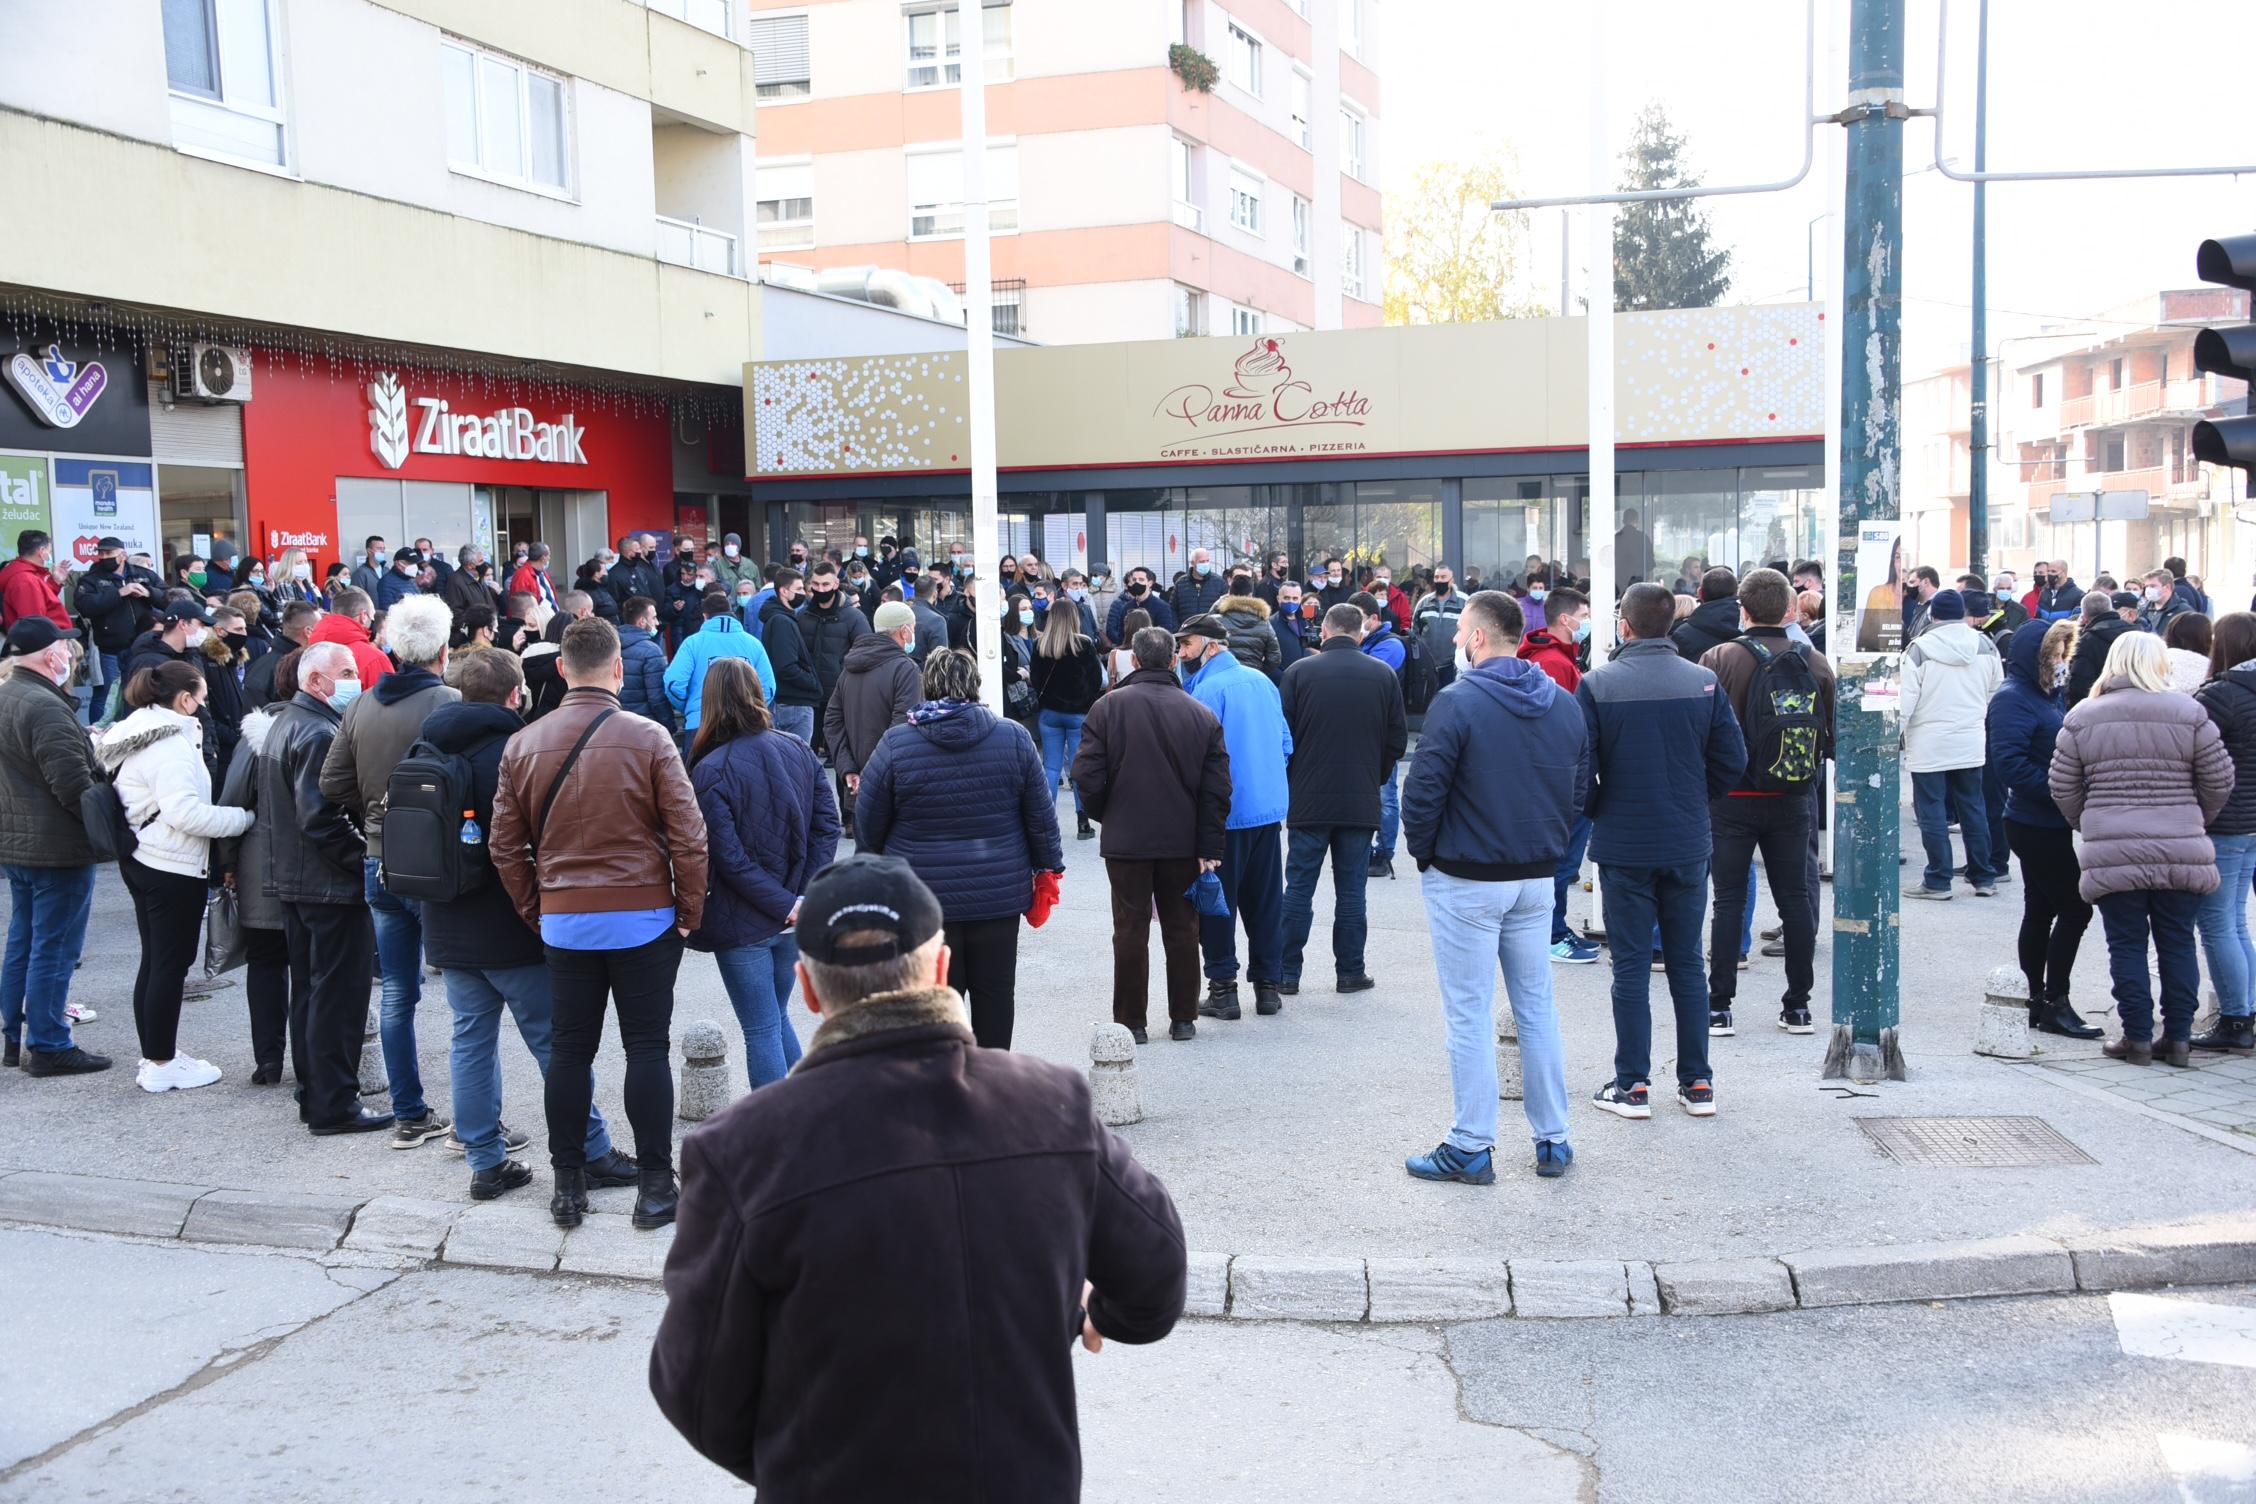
472 833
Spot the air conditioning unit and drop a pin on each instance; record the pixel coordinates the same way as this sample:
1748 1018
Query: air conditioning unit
214 373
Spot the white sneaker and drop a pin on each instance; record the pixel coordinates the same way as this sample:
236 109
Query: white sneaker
180 1073
79 1013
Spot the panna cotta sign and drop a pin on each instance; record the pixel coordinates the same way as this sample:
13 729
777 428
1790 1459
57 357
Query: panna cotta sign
1262 408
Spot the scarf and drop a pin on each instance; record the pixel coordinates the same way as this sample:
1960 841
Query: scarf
885 1011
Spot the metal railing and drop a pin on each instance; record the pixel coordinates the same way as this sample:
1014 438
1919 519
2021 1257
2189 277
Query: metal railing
684 242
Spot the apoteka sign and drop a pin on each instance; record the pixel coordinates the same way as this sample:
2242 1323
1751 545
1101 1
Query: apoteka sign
59 391
1263 408
509 433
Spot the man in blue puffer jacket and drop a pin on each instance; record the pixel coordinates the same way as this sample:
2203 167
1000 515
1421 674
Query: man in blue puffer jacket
722 636
1252 871
644 691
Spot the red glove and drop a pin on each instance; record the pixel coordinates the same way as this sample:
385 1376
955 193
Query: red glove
1045 897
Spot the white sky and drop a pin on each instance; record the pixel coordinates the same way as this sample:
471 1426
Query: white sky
2073 83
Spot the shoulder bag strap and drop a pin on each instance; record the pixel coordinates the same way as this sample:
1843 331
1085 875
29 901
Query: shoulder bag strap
571 759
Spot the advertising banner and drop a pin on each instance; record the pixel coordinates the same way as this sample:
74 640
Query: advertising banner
23 496
95 499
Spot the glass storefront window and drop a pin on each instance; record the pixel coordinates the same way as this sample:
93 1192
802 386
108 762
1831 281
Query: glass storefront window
1781 515
1236 524
1398 524
1693 518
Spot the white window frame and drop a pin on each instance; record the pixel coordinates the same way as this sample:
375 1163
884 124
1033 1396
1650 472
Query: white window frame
946 66
1190 211
1190 311
780 228
190 103
1355 28
760 96
1244 320
1300 106
1237 33
1248 188
1303 233
948 215
523 105
1354 274
1355 140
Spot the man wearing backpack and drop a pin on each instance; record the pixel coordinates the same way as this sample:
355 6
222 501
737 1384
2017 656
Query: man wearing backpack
1782 693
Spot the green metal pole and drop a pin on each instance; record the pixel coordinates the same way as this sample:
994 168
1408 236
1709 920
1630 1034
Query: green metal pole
1867 916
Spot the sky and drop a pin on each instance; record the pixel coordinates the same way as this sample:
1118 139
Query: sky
2073 84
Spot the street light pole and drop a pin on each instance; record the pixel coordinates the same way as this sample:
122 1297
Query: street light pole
1978 374
979 349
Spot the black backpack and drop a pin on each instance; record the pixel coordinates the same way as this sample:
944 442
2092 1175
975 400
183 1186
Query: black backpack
1782 728
102 812
1419 682
430 852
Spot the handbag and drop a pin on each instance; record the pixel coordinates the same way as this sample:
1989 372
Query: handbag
226 947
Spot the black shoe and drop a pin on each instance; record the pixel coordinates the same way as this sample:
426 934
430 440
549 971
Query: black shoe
1265 999
1382 866
1796 1021
1082 829
654 1205
71 1062
268 1074
1775 948
487 1185
1139 1036
1775 932
1221 1001
1181 1030
2177 1052
363 1120
614 1169
569 1203
2060 1017
1356 984
1719 1023
11 1053
2235 1034
1288 989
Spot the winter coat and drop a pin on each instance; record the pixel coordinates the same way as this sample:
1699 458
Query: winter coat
796 683
224 702
1948 677
394 588
1292 645
1154 771
1252 714
931 632
1556 658
2024 721
601 602
368 578
2188 670
1162 614
2230 700
2092 646
1502 768
2141 774
630 578
730 573
1711 624
831 634
1663 744
960 795
770 826
720 637
115 618
147 651
879 688
376 732
367 657
526 580
463 590
1195 595
26 589
156 758
644 689
1386 645
482 928
681 610
2058 602
316 849
258 679
46 764
1069 685
249 855
1349 729
1253 640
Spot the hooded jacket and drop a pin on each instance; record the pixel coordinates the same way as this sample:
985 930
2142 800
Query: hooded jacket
223 681
2024 721
156 758
1254 731
377 730
46 764
1502 768
1949 674
1663 744
770 826
875 693
643 690
2141 774
796 683
367 658
1558 659
721 637
1253 637
1386 645
960 795
482 929
1154 772
26 589
250 854
2230 699
1711 625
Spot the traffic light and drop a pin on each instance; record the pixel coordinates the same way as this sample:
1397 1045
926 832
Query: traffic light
2228 262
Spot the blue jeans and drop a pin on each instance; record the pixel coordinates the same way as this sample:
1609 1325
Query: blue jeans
1477 926
1939 798
1061 742
399 949
1676 899
2129 918
476 996
1350 849
46 932
799 720
2224 926
759 980
1253 883
1570 868
1390 814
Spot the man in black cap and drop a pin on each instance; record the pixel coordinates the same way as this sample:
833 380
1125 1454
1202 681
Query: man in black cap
117 599
178 630
399 581
808 1346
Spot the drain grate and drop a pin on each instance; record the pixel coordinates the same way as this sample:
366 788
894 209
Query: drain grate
1972 1143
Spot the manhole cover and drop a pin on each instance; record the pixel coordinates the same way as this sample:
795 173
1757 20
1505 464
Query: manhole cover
1972 1143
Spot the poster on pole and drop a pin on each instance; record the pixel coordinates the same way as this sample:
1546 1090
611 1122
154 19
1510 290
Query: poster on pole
1876 624
23 496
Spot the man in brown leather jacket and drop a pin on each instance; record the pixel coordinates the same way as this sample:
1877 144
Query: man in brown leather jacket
598 838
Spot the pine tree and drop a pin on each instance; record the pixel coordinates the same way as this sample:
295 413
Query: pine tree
1663 256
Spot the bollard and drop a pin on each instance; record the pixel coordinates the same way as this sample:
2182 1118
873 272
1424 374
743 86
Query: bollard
373 1081
1508 1083
1112 1076
2003 1029
706 1086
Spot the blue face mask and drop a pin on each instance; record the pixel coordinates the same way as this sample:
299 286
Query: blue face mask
1026 618
1204 568
861 553
1537 592
347 691
1076 593
1582 631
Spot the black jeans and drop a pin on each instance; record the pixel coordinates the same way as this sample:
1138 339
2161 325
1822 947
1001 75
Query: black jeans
2054 915
333 946
269 983
1780 827
641 982
983 968
168 910
2128 919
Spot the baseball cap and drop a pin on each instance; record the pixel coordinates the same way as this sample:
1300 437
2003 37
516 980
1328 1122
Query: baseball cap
405 555
107 545
892 616
1203 626
185 610
2123 600
35 634
860 896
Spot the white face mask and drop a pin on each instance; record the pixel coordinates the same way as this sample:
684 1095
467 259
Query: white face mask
61 674
730 550
196 636
1464 661
301 571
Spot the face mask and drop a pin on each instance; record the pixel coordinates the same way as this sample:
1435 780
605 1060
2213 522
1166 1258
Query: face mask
2060 674
1537 592
258 577
1582 631
1076 593
2153 592
1026 618
199 579
1379 594
347 691
235 639
1137 587
1308 609
1204 568
730 549
826 598
744 598
1333 579
196 636
1464 661
861 553
1383 583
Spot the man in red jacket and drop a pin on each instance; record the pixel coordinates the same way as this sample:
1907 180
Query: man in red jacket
27 582
1556 646
347 625
531 577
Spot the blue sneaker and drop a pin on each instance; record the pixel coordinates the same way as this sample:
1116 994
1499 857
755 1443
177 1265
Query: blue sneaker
1447 1162
1574 951
1551 1160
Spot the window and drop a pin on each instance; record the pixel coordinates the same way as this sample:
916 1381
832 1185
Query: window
1179 21
1351 26
1190 311
931 26
2115 374
1244 320
1300 234
936 192
780 61
1245 200
505 120
2036 390
1300 91
1299 7
785 205
1244 60
1351 260
1351 143
705 15
1183 168
222 62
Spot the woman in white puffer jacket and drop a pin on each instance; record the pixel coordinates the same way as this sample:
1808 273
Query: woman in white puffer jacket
156 757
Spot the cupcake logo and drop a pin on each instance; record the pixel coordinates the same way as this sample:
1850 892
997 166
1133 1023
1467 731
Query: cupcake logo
1260 371
1261 397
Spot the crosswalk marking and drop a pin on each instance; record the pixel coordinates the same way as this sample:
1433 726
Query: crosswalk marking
2210 1471
2192 1331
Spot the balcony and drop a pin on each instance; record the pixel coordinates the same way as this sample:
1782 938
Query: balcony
705 15
683 242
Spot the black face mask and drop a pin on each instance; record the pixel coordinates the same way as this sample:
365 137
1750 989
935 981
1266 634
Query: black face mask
235 639
1138 588
826 598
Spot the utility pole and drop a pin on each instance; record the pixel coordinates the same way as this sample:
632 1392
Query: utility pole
1978 374
979 349
1867 905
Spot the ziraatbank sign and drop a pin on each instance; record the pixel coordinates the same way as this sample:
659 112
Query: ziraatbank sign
509 433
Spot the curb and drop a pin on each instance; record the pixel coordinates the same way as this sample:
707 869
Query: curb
1240 1287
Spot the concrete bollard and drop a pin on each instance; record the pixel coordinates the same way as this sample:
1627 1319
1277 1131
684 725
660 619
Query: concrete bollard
373 1081
2003 1029
1113 1088
706 1085
1508 1082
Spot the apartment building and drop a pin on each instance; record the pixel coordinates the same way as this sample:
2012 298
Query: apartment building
1128 200
315 269
1938 468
